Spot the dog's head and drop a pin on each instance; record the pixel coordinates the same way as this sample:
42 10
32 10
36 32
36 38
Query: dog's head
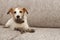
18 13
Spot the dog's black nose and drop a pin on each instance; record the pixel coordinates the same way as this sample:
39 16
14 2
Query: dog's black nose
18 16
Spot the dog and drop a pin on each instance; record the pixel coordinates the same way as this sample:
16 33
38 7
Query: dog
18 20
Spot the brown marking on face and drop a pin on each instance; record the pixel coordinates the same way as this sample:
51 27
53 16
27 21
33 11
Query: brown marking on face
23 10
11 12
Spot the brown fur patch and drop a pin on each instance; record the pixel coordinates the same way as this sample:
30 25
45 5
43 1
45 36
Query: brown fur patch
25 10
21 9
10 11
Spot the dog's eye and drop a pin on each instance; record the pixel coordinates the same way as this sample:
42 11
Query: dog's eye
15 12
20 11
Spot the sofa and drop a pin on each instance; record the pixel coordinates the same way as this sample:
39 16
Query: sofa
44 17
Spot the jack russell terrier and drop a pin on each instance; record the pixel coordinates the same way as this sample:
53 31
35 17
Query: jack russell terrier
18 20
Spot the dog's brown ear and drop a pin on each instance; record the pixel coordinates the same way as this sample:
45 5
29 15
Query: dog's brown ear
10 10
25 10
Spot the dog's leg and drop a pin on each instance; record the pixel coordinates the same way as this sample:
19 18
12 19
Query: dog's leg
30 30
20 29
7 25
26 29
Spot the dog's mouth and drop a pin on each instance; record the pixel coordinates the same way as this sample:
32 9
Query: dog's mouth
18 20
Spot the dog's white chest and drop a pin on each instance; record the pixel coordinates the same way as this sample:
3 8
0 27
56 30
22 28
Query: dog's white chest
13 24
17 25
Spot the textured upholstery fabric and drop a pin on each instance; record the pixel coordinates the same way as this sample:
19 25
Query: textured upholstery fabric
44 13
39 34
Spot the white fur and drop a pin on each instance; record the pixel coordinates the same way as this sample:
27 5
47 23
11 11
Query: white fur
17 13
12 24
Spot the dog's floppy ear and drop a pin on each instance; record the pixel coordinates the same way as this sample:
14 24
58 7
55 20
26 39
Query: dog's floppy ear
25 10
10 10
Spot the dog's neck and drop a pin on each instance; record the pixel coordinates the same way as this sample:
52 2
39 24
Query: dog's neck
20 21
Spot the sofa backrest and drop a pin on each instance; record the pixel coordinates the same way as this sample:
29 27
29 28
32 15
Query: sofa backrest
42 13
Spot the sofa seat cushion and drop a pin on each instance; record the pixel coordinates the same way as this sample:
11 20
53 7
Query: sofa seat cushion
40 34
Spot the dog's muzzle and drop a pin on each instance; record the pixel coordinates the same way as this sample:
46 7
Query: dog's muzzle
18 20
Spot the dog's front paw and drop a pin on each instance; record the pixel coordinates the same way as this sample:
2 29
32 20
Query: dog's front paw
21 30
30 30
6 26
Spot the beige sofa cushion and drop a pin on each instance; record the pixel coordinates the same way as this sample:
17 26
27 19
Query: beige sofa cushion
39 34
45 13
